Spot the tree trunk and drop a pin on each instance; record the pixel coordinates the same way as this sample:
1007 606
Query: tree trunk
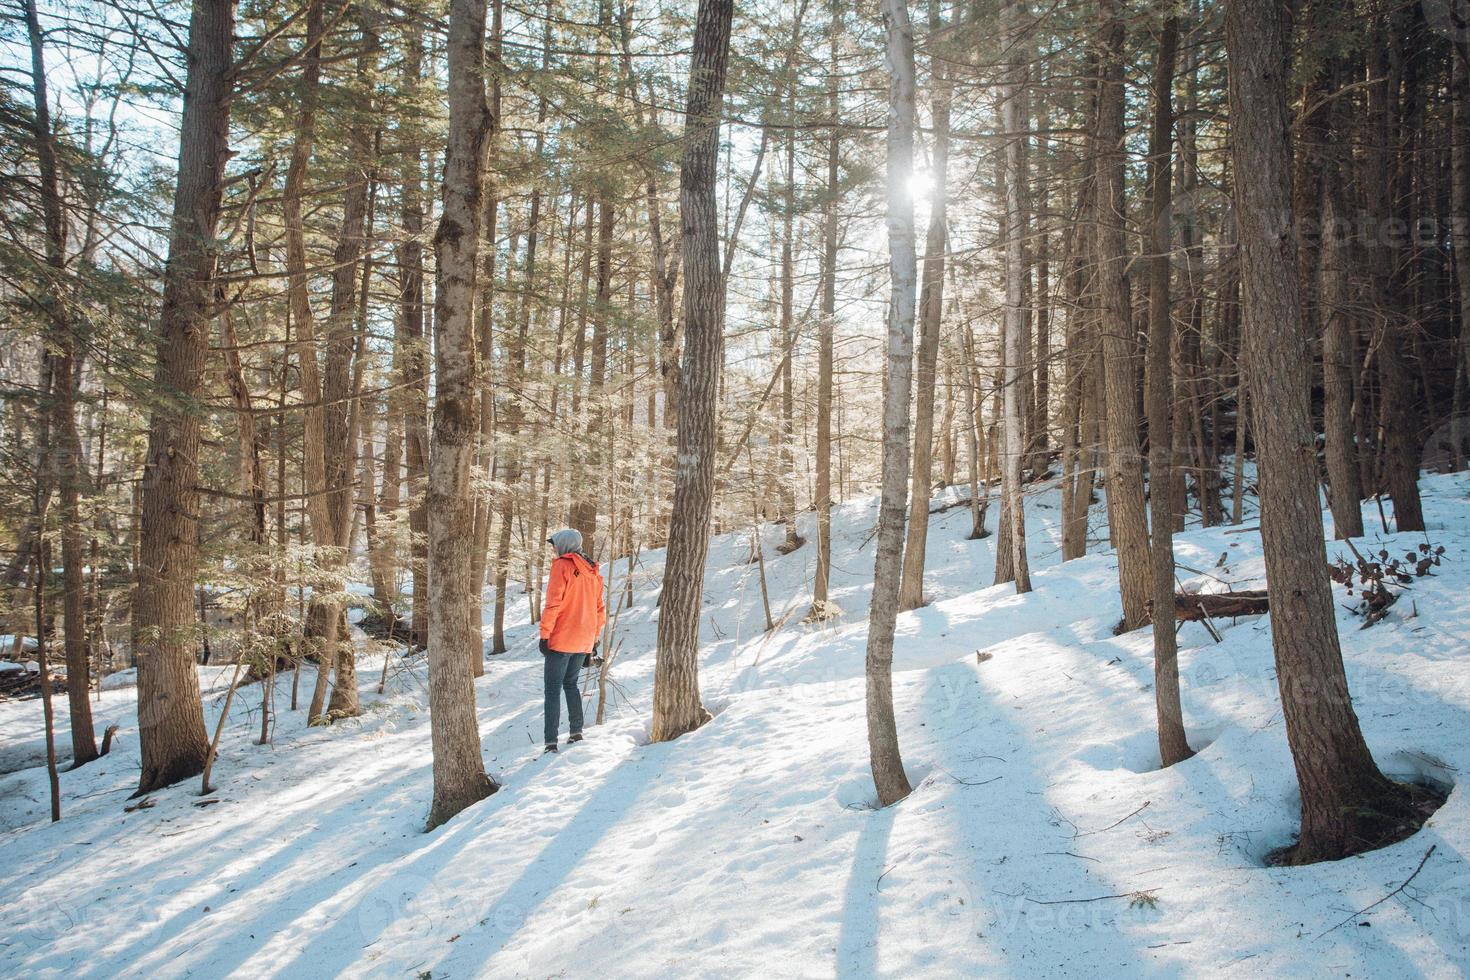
1337 313
485 450
322 621
786 484
513 416
340 383
1041 383
48 713
974 425
822 606
1345 799
412 396
1120 342
931 307
1173 747
1015 410
1078 469
61 340
454 619
888 775
170 713
676 704
1398 401
1460 196
584 508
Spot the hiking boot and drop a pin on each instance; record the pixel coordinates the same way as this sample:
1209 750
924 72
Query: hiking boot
550 747
576 737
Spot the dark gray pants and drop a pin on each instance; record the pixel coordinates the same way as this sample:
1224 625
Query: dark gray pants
562 670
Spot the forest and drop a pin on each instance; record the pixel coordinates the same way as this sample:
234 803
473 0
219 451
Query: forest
1018 455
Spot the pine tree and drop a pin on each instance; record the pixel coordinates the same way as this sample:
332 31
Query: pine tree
1347 803
170 714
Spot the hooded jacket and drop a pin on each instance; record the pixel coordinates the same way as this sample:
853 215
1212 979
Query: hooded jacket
574 613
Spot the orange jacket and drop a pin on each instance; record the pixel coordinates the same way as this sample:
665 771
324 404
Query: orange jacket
572 618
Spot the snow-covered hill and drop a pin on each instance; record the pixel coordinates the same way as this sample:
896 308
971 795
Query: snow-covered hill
1040 840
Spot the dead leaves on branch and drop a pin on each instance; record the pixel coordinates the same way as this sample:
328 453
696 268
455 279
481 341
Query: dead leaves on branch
1375 583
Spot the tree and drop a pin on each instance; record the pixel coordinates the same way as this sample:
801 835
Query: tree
931 309
1460 191
170 714
676 705
342 367
786 478
62 341
888 775
822 606
1014 410
321 456
1347 803
454 619
1119 339
1173 746
1387 184
1336 311
411 395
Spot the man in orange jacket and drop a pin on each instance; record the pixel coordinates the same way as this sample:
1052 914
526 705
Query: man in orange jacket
571 622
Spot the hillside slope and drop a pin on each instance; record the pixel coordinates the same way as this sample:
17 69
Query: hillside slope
1040 840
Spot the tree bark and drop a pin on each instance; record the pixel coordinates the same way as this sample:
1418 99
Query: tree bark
1015 384
340 382
974 422
486 452
1173 746
931 309
676 704
322 620
513 414
1119 340
1344 797
1460 195
411 351
888 774
786 484
822 606
1078 471
170 713
1336 310
1393 124
62 341
584 507
454 619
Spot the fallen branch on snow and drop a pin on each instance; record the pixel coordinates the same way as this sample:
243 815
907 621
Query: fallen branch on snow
1116 823
1142 897
1422 861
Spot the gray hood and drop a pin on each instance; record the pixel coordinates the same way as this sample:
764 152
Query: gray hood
566 541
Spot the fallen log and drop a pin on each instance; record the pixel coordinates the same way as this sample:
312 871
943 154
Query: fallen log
20 684
1192 607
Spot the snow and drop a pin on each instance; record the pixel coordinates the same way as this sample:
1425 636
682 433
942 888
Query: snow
7 643
750 846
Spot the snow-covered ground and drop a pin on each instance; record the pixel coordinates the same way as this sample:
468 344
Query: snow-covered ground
1040 840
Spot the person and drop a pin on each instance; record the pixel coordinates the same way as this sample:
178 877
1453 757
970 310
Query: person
571 622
